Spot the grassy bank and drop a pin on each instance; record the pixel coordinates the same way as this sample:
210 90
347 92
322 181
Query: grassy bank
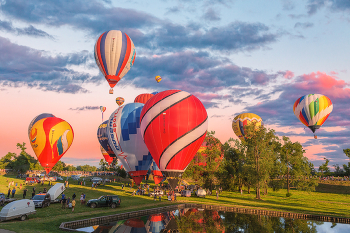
330 199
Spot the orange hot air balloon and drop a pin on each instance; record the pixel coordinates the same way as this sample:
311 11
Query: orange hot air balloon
50 139
143 98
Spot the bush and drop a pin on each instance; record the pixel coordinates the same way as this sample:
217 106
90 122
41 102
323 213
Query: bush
288 194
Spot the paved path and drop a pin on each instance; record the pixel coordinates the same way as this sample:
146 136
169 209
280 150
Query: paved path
6 231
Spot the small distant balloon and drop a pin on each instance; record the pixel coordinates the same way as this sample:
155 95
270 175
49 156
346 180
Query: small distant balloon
158 79
119 100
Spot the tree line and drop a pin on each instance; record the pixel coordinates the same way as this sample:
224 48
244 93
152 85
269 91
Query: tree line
259 161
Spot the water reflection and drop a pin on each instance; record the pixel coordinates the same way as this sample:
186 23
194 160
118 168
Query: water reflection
200 220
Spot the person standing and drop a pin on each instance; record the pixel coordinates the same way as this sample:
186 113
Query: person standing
217 195
82 198
74 196
73 204
24 193
8 193
13 192
63 201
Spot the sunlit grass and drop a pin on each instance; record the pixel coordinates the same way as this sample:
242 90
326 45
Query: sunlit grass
330 199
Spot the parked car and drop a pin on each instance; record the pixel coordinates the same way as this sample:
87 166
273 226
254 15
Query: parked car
58 178
48 178
75 177
186 193
33 180
201 193
97 180
103 201
41 200
17 209
156 192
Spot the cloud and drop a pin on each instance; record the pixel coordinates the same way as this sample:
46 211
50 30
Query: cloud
85 108
29 31
21 65
288 5
334 5
211 15
303 25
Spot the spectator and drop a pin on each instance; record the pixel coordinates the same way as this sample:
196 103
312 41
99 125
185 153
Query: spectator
74 196
68 201
8 193
13 192
217 195
24 193
2 200
73 204
63 201
82 199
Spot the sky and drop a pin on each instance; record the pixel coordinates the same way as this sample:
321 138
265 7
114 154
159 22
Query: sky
236 56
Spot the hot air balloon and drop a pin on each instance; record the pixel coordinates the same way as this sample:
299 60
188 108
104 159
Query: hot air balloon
50 139
106 156
119 100
156 173
157 222
39 117
125 139
173 125
103 109
240 121
313 110
114 54
156 92
102 137
158 79
143 98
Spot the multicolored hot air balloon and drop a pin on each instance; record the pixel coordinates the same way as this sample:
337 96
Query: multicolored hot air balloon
50 139
106 156
119 100
103 109
240 121
158 79
126 141
102 137
114 54
39 117
313 110
143 98
173 125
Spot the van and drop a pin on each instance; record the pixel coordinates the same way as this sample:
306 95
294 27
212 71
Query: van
186 193
17 209
33 180
56 191
201 193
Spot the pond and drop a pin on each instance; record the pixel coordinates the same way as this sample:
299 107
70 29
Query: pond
201 220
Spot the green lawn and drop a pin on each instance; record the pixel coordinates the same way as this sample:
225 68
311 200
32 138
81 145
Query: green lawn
330 199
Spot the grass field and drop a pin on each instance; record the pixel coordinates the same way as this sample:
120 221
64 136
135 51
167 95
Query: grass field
330 199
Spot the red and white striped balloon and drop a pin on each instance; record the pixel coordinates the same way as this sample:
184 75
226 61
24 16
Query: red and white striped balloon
173 125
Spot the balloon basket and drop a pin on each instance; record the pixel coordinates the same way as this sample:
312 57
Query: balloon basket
110 91
315 136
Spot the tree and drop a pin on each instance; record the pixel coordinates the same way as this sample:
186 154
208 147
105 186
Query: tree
6 161
347 167
292 158
24 161
324 169
103 165
259 146
59 166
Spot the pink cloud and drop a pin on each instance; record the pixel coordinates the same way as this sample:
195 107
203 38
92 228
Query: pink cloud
324 84
289 74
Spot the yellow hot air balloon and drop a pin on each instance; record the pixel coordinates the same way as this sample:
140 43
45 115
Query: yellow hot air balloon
313 110
119 100
242 120
158 79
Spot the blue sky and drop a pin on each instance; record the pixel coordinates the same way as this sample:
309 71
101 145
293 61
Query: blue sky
235 56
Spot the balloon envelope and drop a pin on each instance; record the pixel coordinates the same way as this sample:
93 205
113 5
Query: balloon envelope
102 137
119 100
173 124
126 140
39 117
143 98
158 79
240 121
50 139
106 156
114 55
313 110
